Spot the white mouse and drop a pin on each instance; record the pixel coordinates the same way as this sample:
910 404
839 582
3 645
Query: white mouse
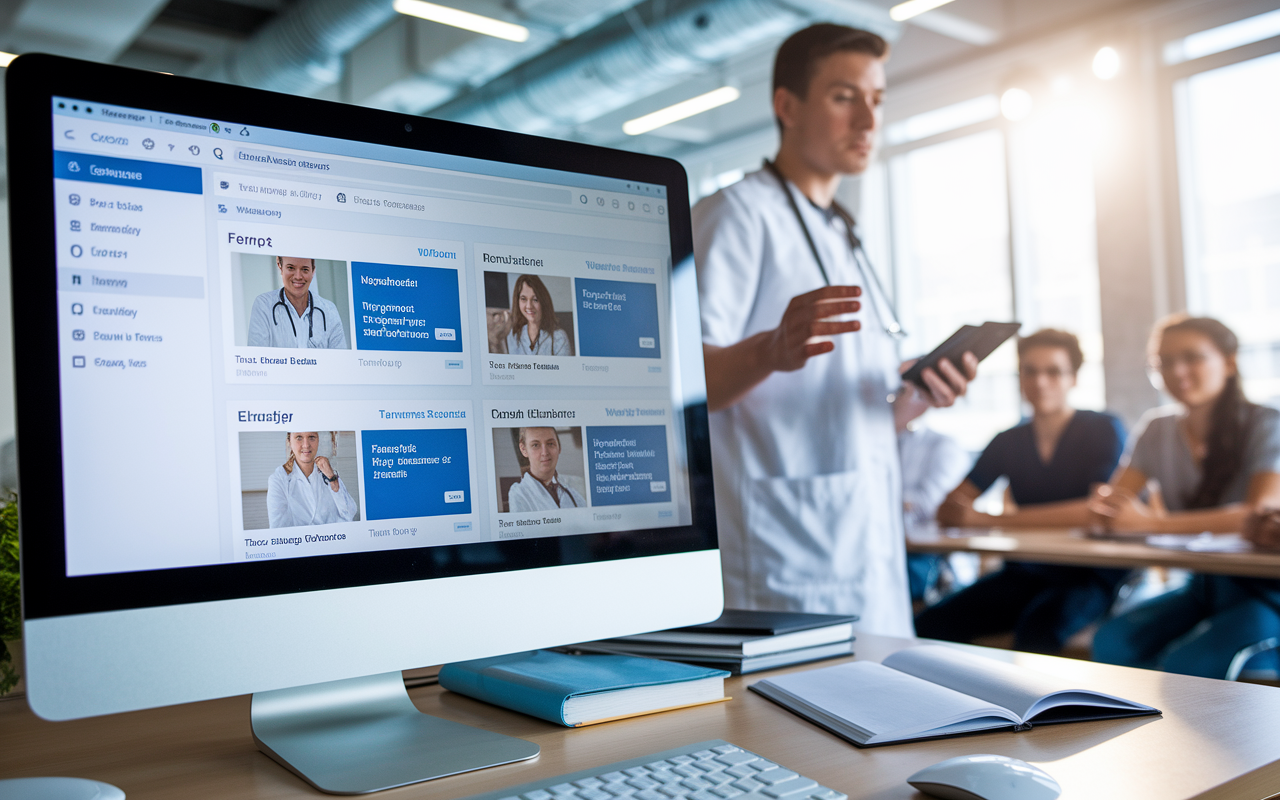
985 777
58 789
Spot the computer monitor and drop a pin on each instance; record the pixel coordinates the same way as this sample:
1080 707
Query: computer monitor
310 392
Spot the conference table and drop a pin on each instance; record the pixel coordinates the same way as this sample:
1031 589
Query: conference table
1076 547
1215 740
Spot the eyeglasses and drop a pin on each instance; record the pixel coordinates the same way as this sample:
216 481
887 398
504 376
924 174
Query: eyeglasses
1031 373
1189 358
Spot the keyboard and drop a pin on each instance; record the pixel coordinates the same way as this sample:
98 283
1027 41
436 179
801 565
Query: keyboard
711 770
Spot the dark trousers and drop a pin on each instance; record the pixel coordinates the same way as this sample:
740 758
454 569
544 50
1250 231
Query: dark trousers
1195 630
1043 604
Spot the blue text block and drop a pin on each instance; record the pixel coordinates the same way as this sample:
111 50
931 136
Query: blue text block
628 464
406 308
416 473
126 172
617 319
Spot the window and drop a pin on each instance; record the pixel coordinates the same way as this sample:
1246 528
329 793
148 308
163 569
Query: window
951 247
1228 124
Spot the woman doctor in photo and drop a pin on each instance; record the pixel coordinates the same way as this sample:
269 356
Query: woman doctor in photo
294 315
306 490
534 329
540 488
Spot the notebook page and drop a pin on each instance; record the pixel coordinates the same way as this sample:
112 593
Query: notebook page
879 701
1016 688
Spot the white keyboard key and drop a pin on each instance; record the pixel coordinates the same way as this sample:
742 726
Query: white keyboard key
727 748
741 771
735 758
776 775
536 794
704 754
726 792
589 783
792 787
613 777
678 760
650 794
636 771
748 784
643 782
596 794
563 788
828 794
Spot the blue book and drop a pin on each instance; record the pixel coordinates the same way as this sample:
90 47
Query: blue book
576 690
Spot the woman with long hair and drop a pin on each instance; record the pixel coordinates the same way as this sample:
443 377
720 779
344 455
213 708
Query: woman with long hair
306 489
1206 464
534 328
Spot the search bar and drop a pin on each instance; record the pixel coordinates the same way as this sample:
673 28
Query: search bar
414 177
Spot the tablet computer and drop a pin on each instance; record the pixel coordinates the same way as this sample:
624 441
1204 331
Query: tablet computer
981 340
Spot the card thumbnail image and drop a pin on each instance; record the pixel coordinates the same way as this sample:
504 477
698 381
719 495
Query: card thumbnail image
539 468
298 478
529 315
290 301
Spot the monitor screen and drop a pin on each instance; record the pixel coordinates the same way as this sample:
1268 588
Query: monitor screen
275 345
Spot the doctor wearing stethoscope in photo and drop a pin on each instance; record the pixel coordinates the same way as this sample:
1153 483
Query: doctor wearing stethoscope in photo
295 315
306 489
541 488
803 394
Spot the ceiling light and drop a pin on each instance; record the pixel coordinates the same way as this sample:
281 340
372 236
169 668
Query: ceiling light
1015 104
463 19
1106 63
679 111
914 8
6 58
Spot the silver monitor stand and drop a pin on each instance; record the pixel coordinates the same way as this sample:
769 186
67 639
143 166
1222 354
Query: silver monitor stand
362 735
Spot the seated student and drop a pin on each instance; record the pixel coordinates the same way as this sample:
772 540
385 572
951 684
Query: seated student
1051 463
931 464
1216 457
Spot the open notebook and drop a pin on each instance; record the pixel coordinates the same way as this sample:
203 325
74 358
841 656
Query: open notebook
932 691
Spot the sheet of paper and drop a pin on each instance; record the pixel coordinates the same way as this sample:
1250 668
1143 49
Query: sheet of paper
1005 685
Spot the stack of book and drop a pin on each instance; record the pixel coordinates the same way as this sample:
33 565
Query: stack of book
742 641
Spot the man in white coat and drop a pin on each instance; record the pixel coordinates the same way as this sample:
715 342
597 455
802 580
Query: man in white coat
294 315
802 395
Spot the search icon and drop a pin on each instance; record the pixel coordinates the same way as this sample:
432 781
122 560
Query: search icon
217 153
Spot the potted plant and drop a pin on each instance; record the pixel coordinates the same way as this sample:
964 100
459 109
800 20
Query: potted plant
10 597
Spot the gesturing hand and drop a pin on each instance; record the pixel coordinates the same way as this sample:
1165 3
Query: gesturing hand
791 343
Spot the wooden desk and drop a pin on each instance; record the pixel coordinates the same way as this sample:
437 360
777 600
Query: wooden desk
1215 740
1073 547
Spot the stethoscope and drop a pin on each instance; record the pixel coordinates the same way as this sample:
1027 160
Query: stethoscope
556 483
894 328
311 314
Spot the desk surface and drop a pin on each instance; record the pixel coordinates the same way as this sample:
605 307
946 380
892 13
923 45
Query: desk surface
1215 740
1059 546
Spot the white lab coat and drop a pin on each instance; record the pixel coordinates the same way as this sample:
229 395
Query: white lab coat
530 495
324 331
293 500
808 488
556 344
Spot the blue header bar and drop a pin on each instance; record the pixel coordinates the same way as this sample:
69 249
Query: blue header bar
127 172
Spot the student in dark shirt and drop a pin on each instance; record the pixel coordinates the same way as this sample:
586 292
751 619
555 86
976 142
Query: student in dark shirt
1051 462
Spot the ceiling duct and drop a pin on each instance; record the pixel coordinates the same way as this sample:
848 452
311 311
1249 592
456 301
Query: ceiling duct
627 59
300 51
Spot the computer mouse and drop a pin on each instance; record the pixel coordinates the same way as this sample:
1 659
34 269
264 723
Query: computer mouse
985 777
58 789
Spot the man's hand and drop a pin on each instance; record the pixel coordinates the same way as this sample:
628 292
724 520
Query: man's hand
944 388
735 370
1262 528
806 317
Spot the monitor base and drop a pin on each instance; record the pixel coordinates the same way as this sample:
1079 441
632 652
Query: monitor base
364 734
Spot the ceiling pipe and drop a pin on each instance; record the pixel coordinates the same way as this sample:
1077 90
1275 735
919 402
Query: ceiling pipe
625 60
300 51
